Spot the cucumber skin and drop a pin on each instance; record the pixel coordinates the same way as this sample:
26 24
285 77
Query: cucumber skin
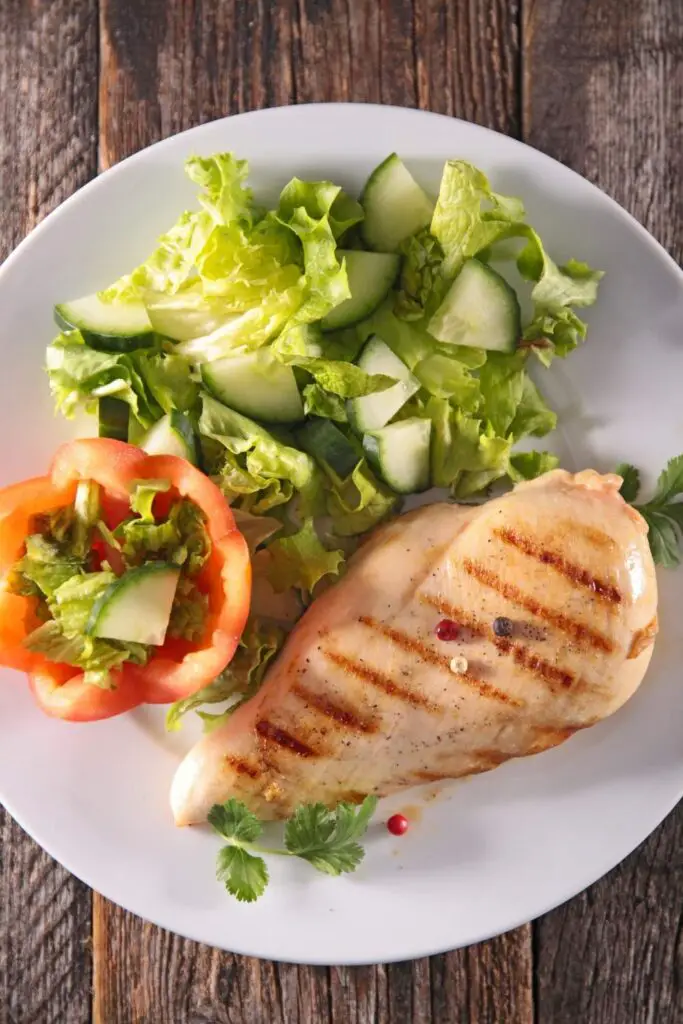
370 236
122 583
372 448
344 461
331 321
514 310
113 417
114 343
216 392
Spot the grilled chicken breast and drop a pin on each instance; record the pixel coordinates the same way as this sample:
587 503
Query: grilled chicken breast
366 699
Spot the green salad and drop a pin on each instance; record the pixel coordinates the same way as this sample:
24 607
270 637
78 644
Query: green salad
325 358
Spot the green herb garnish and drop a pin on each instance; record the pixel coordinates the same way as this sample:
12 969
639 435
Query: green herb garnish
327 839
663 514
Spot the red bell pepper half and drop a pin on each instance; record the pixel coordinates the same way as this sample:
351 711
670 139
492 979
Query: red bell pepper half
174 670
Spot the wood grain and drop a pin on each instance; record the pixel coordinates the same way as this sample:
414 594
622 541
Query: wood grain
48 147
603 92
168 67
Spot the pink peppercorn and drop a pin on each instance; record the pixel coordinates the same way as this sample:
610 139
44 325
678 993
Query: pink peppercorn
397 824
447 630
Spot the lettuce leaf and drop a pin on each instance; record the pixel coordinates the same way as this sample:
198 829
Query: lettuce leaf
181 538
255 461
301 560
358 503
189 611
79 375
469 216
221 176
501 380
260 642
555 329
318 213
97 658
529 465
532 416
461 444
422 285
318 402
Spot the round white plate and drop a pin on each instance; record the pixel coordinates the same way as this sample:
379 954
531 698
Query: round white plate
490 853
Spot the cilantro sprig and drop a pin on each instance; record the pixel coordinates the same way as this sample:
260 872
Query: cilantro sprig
327 839
662 513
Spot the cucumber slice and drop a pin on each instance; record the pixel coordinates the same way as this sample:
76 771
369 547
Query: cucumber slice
400 453
111 326
171 435
326 443
256 384
112 418
374 411
371 275
480 310
137 606
395 206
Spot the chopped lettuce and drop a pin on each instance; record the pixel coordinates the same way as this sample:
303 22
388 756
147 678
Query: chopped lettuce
97 658
532 416
501 380
260 642
318 402
254 464
222 178
555 329
423 284
358 503
301 560
189 611
152 382
529 465
308 210
469 216
62 638
181 538
462 444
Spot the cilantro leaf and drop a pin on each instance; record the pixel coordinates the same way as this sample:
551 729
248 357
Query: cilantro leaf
329 839
663 515
244 875
630 487
235 822
670 482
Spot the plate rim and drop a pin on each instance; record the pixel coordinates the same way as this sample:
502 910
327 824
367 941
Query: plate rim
311 109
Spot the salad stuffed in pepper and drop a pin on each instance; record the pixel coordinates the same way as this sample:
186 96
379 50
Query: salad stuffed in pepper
125 580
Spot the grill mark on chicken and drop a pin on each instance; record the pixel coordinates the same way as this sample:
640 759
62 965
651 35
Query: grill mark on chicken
413 646
576 574
643 638
523 656
242 767
532 662
274 734
577 630
342 716
378 679
585 532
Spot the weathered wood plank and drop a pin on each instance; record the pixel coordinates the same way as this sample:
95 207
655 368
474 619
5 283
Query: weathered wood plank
48 147
176 64
603 92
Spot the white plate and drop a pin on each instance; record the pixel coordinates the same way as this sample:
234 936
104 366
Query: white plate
490 853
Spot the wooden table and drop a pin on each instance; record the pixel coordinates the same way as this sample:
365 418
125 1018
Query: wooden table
596 83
